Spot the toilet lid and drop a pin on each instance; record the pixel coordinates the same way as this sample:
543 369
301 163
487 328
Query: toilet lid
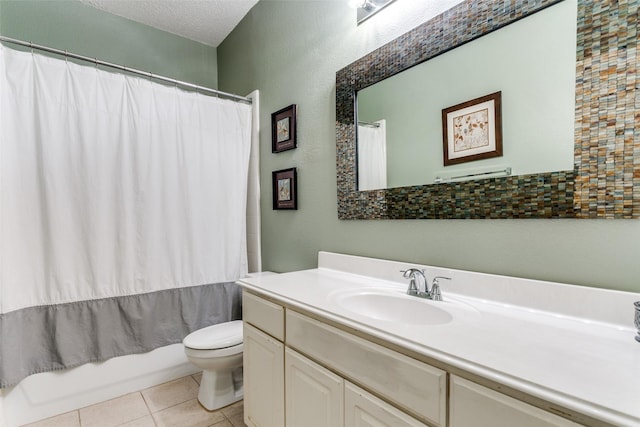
222 335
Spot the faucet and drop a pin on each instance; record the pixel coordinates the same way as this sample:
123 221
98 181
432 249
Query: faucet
414 274
418 290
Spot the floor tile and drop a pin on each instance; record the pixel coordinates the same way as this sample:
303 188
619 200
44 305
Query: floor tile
237 420
234 409
146 421
114 412
224 423
187 414
171 393
70 419
197 377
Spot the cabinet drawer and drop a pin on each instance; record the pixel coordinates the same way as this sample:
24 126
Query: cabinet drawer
408 383
263 314
473 404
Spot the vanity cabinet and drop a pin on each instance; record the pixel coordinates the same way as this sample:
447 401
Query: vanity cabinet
333 378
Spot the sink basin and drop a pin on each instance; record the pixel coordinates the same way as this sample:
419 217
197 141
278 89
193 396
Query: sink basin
394 308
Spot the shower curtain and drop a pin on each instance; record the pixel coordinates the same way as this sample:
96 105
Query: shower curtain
372 156
122 213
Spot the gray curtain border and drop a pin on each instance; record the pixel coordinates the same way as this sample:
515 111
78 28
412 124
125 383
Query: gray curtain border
62 336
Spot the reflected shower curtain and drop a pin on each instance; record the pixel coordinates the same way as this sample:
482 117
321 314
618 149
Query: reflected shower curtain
122 213
372 156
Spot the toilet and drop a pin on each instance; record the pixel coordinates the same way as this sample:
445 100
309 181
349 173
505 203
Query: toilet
217 350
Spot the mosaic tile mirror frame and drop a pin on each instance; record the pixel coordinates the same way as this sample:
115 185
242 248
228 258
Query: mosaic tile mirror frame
605 182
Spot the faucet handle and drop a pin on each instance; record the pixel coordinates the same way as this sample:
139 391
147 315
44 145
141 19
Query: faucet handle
436 295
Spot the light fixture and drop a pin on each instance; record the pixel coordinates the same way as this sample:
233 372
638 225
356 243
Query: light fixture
367 8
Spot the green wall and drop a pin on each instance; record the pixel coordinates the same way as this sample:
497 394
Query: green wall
290 51
73 26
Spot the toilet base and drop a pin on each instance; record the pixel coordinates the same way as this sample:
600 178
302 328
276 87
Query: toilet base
219 389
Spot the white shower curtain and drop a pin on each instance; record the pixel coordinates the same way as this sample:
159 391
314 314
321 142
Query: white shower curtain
122 203
372 156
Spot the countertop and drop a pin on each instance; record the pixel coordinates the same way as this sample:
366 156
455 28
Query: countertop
588 366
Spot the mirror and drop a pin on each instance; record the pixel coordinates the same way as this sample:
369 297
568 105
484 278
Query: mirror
603 180
400 128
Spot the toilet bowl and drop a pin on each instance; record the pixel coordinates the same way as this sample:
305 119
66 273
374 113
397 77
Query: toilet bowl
217 350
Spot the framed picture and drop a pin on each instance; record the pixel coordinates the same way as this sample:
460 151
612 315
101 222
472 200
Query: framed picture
283 129
473 130
285 189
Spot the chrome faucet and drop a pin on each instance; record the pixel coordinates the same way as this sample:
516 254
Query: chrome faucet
421 289
418 290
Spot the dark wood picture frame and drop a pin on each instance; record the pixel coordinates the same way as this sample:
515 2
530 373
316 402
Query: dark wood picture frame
472 130
285 189
283 129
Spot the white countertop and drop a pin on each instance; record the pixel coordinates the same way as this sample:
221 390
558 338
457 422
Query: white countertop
588 366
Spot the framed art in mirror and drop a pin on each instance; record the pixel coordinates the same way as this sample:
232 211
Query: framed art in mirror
472 130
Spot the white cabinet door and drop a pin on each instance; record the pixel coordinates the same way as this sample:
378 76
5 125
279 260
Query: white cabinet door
471 404
263 379
314 394
365 410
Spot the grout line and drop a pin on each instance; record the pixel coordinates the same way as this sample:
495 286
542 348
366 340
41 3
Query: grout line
153 420
139 418
145 402
174 405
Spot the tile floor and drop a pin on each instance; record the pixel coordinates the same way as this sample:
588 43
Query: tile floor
172 404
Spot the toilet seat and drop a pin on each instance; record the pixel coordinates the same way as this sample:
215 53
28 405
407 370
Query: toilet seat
215 353
216 337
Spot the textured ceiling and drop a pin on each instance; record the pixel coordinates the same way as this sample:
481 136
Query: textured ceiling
205 21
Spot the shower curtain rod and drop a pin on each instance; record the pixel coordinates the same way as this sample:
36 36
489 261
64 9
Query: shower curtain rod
127 69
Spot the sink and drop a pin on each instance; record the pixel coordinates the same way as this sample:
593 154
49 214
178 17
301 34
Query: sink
394 308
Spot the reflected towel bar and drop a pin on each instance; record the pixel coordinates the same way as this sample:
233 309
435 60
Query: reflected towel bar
373 125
